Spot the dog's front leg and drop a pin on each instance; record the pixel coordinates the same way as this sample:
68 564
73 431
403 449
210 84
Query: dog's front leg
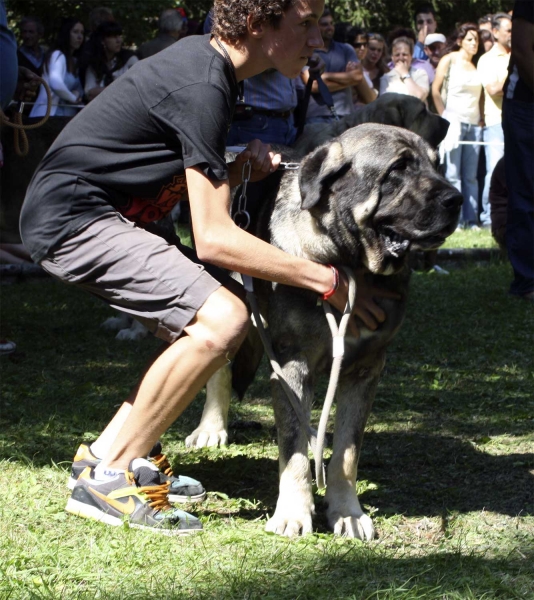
355 398
213 427
294 508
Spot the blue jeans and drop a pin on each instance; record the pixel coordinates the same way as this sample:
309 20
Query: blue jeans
494 135
518 125
461 171
269 130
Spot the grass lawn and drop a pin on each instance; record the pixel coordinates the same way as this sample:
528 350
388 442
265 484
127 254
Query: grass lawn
447 468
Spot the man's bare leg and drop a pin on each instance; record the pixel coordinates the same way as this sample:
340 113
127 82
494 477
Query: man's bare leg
177 375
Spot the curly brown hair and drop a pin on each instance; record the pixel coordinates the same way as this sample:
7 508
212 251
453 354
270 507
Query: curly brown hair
230 16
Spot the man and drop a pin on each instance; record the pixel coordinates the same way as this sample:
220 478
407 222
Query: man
342 72
493 70
434 47
31 53
518 125
111 174
170 29
425 23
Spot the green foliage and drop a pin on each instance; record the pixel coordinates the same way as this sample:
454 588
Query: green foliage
383 15
138 17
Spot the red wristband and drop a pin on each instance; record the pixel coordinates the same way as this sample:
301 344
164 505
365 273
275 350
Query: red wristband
335 283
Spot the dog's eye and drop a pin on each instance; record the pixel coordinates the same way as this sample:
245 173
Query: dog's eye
400 165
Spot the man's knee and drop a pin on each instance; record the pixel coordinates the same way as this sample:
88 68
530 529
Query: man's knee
222 323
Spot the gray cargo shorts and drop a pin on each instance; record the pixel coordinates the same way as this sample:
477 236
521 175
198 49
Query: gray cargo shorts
157 281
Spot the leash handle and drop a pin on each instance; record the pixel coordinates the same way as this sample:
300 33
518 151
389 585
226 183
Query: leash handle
241 216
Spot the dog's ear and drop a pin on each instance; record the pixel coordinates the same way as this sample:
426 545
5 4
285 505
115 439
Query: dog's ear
319 169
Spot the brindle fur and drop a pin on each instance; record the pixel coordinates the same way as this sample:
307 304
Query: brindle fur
347 195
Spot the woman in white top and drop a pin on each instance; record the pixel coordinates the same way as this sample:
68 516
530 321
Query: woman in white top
374 61
61 72
110 60
403 78
462 108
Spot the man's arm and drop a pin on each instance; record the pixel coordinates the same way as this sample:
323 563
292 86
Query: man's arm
220 242
523 50
335 81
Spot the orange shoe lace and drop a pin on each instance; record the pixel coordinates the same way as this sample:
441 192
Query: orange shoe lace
161 462
158 495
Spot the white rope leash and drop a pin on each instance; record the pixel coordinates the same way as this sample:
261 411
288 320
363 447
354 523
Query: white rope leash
315 439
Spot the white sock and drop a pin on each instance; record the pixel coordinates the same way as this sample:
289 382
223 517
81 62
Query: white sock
103 473
96 451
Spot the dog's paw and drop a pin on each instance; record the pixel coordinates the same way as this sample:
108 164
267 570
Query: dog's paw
346 517
201 438
290 525
360 527
129 335
115 323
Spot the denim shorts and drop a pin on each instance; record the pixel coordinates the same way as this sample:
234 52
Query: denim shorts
158 281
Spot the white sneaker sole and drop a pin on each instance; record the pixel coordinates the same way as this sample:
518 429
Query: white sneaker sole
80 509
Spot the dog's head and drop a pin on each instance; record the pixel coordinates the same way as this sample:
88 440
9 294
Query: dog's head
377 186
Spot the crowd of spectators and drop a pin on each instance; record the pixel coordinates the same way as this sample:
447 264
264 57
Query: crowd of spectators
459 74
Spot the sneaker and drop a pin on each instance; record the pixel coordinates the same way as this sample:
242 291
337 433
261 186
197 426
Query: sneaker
7 347
182 489
138 496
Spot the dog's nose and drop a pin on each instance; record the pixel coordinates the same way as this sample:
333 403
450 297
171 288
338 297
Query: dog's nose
452 200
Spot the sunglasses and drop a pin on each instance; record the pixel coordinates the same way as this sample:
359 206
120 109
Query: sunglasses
360 45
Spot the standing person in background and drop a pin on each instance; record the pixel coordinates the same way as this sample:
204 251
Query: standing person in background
110 61
30 53
425 23
434 48
403 79
518 125
375 61
170 28
99 15
486 41
363 92
485 23
493 70
61 72
342 72
459 77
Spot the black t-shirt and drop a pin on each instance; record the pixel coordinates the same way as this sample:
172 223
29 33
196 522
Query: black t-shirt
515 88
128 149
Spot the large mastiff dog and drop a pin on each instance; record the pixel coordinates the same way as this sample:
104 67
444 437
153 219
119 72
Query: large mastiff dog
365 199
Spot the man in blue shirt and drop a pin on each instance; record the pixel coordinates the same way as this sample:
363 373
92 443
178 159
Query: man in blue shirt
342 72
425 23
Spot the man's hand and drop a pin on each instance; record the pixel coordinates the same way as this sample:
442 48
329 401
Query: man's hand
262 161
27 85
365 306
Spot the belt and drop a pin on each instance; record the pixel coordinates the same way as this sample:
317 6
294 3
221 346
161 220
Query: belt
280 114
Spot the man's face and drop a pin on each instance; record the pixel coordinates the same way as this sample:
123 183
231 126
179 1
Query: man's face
30 35
503 35
292 43
326 25
435 52
427 20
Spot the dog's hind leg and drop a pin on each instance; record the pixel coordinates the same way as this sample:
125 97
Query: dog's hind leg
355 398
295 507
213 427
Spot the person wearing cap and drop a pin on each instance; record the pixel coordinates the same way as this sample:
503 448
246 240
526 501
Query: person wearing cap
434 48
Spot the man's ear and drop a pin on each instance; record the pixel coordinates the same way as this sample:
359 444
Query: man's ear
254 27
318 170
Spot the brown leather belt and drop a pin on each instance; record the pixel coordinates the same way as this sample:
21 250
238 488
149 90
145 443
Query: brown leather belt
283 114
